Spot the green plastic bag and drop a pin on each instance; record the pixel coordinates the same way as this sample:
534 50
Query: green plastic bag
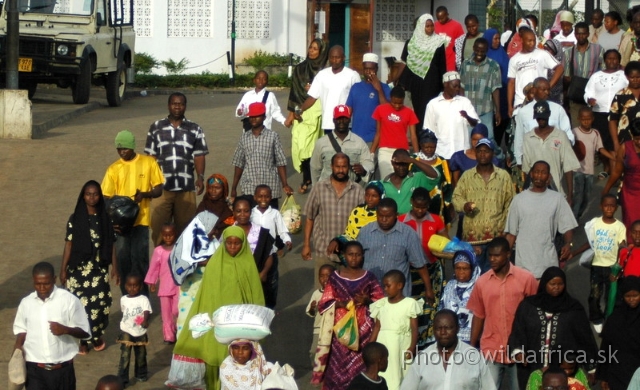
291 213
346 329
613 290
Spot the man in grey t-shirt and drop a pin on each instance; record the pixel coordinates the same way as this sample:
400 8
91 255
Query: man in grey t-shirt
535 215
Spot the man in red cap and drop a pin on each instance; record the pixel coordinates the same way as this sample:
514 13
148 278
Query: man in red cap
345 141
259 158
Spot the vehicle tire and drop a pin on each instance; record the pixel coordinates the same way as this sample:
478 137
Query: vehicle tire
116 86
81 87
30 86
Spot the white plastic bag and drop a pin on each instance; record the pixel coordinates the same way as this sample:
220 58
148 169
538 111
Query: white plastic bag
247 321
186 373
280 378
200 324
291 213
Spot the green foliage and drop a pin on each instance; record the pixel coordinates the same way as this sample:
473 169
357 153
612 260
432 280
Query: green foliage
173 67
260 60
144 63
496 18
205 80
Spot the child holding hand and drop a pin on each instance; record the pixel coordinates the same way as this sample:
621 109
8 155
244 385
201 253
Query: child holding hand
396 326
136 309
168 291
324 273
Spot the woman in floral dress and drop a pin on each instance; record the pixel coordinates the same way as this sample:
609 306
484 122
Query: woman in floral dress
88 252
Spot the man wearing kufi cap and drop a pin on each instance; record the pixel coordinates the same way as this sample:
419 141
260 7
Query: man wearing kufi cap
138 177
365 96
450 116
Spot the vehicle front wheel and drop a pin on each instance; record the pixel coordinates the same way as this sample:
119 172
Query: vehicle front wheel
116 86
81 87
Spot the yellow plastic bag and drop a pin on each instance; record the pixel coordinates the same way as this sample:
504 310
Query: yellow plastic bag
346 329
437 243
291 214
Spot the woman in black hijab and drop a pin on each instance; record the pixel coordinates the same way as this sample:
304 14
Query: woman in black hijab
621 335
548 325
88 252
305 133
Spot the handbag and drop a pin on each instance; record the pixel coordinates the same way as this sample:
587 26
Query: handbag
17 370
575 93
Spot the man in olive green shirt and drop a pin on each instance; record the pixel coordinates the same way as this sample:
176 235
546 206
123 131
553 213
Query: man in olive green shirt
484 194
400 184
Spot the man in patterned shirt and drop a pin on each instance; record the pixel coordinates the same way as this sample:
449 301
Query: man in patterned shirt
179 147
484 194
481 81
259 158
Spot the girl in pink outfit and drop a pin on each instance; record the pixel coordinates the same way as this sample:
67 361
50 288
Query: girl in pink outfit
168 291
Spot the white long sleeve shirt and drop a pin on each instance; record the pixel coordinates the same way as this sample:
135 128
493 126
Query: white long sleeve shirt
273 108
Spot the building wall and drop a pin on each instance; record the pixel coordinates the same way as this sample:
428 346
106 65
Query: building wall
199 30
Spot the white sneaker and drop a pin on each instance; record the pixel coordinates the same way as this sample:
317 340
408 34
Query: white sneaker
597 328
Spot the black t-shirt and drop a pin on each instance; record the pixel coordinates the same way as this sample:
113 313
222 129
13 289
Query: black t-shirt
362 382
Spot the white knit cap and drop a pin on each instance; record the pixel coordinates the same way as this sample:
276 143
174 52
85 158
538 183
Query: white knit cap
450 76
370 57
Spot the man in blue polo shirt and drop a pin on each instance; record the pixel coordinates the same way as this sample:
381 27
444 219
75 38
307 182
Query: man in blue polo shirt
365 96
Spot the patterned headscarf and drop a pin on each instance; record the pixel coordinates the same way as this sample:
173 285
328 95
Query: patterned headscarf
422 47
377 186
244 376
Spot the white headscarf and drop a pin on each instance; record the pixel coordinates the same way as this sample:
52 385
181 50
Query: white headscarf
244 376
422 47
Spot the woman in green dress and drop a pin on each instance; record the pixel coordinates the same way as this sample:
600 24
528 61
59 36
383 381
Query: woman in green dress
230 278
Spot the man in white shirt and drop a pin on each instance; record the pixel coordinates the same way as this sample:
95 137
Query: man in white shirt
566 35
450 116
331 86
525 66
49 349
525 121
449 364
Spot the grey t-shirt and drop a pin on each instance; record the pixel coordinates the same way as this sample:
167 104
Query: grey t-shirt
534 218
610 41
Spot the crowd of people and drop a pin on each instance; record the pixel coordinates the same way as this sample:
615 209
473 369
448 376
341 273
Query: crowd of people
502 141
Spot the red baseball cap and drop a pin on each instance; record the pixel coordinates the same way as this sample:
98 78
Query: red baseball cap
257 109
341 111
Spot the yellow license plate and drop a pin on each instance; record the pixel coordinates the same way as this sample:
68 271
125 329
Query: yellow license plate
25 64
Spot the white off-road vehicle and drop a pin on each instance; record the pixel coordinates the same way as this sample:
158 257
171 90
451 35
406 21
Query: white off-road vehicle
73 43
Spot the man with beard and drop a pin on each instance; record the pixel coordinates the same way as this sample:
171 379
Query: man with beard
331 85
341 140
400 184
391 245
327 209
535 215
449 364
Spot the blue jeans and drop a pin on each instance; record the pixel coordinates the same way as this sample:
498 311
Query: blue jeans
503 372
582 186
488 120
132 252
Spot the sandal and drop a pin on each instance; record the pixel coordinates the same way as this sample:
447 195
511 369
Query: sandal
304 188
100 347
603 175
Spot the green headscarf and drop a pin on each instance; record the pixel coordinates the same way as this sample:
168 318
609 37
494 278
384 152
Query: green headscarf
227 280
422 47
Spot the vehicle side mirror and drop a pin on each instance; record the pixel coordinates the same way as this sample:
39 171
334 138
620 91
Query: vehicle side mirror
99 19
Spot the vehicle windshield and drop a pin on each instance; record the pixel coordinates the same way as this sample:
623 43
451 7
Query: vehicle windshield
56 7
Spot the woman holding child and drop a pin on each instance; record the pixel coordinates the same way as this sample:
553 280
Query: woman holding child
230 278
88 252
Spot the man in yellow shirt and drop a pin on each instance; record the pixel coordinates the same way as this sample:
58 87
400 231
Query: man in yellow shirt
138 177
